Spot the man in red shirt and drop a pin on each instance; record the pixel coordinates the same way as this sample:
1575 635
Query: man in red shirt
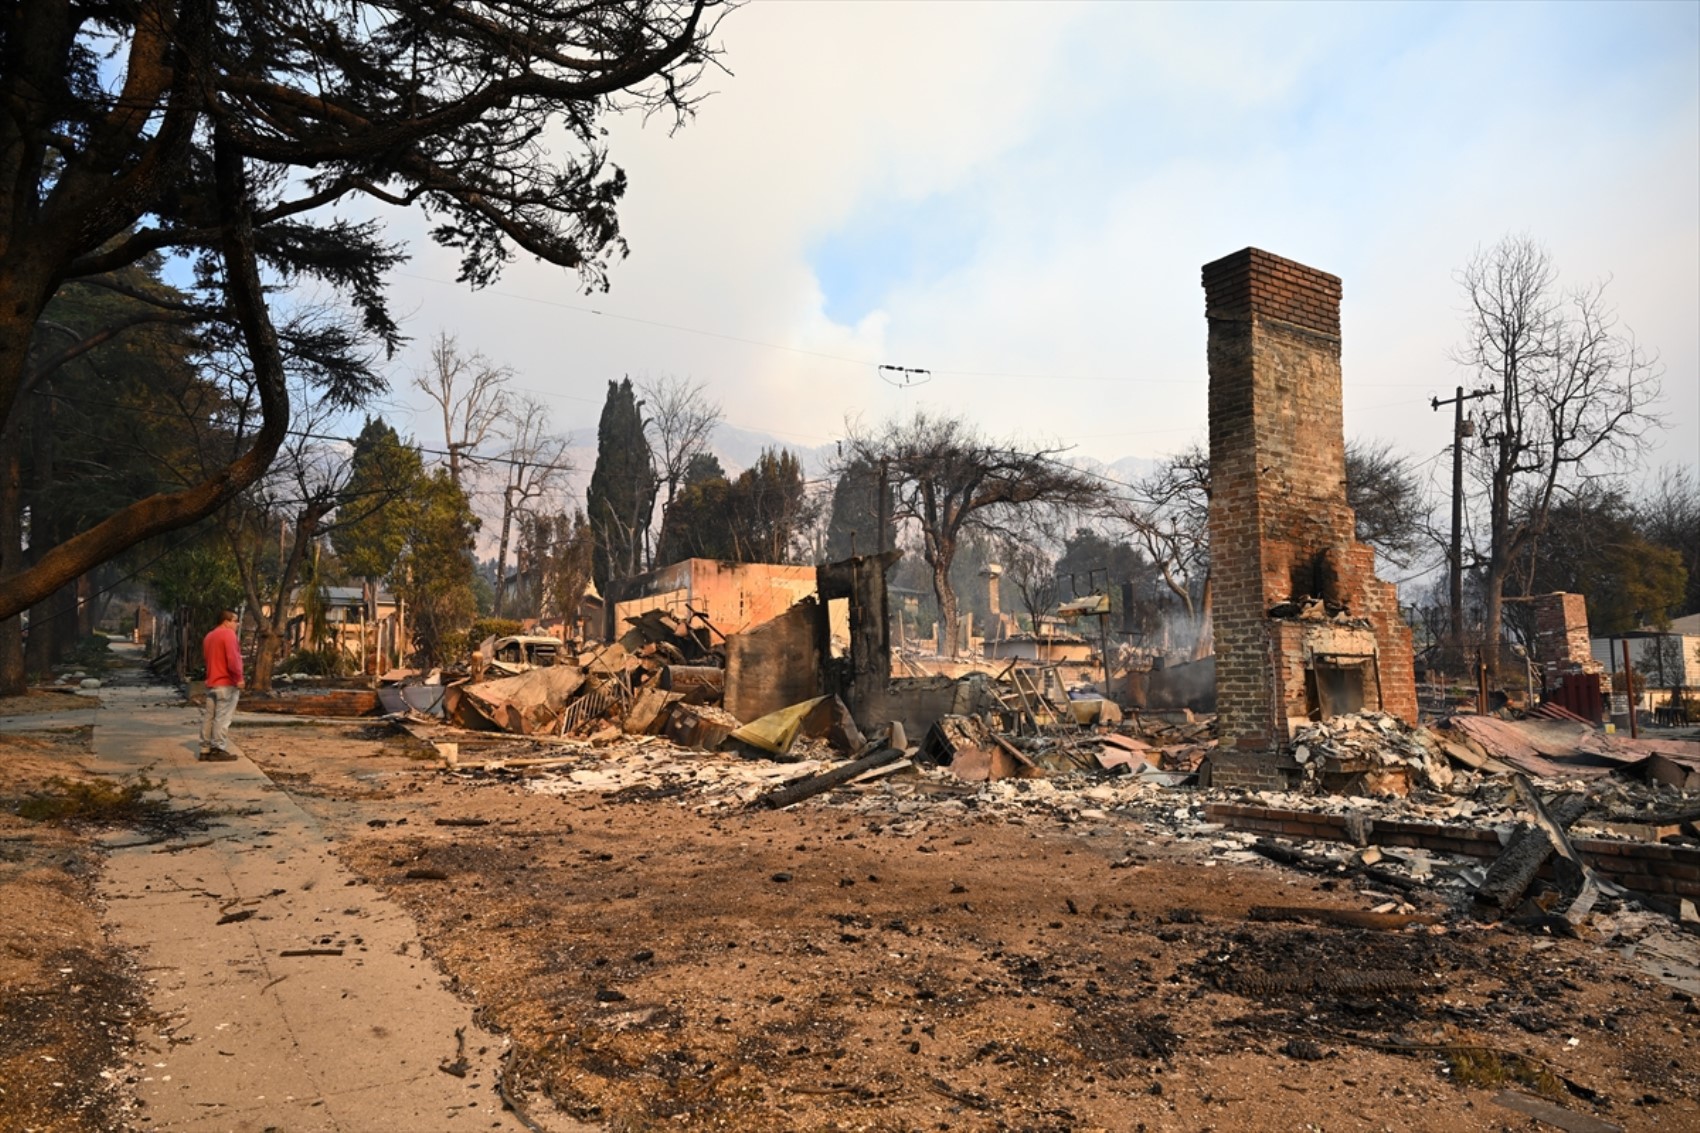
224 677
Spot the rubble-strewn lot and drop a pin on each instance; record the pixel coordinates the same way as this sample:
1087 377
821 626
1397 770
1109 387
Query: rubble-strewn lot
921 953
67 997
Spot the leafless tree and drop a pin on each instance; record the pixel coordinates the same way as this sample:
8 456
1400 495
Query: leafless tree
949 480
272 526
293 498
534 464
1573 397
470 393
680 423
1168 515
1031 569
1388 501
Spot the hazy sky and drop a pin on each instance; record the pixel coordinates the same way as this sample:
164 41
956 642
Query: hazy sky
1019 198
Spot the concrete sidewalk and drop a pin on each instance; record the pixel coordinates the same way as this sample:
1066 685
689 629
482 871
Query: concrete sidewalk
49 721
347 1034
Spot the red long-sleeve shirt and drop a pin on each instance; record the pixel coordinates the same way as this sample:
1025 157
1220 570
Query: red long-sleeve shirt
224 658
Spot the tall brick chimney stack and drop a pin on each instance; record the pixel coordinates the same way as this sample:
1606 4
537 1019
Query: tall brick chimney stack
1303 628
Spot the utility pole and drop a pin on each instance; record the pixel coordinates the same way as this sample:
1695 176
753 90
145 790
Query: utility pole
1461 428
884 507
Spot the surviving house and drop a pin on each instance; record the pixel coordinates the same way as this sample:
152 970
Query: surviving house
1667 660
352 626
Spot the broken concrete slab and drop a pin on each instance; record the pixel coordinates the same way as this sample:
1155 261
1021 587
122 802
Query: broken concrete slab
1553 1114
952 733
1000 760
700 726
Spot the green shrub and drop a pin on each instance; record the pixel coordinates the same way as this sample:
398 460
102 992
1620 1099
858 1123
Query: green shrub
492 627
315 663
92 653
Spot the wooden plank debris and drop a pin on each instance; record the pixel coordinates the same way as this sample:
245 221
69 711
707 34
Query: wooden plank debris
1579 881
1514 870
806 788
1344 918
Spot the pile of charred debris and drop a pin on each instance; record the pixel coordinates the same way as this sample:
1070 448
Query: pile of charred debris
1542 822
666 679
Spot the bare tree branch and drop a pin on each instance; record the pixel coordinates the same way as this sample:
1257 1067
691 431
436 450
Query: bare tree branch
1574 396
948 480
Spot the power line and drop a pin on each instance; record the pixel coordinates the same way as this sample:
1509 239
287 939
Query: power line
470 458
122 579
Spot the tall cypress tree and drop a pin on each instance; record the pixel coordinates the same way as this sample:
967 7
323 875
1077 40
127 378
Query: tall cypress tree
622 487
856 509
370 530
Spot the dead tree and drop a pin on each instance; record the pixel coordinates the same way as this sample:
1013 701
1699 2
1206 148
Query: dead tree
1388 502
1571 398
1031 570
680 422
1168 514
305 485
948 480
534 462
471 395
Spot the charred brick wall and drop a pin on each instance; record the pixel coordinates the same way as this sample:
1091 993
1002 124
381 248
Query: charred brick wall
1561 633
1280 528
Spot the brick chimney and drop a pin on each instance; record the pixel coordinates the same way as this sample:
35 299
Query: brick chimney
991 572
1303 628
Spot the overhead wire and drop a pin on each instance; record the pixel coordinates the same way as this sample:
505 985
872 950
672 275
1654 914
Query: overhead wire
122 579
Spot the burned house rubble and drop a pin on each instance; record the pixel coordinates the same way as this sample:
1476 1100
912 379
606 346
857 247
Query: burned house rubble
731 686
1490 817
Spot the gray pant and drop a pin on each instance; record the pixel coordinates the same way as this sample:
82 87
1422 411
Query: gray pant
215 718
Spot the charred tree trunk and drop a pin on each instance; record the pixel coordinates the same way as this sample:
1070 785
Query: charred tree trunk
502 549
940 559
1204 636
272 629
1498 565
13 678
165 511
